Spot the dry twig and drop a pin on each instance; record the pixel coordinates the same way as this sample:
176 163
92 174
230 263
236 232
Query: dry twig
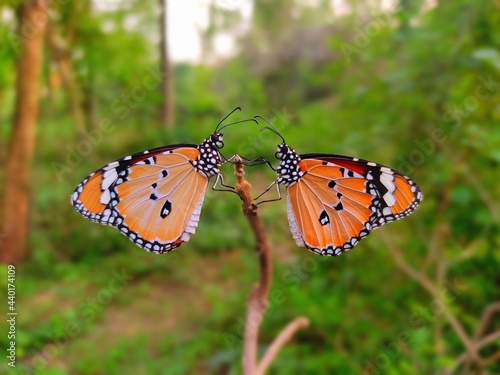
258 299
283 337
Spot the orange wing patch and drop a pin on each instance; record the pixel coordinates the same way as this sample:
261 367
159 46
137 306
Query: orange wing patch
190 153
163 213
91 193
399 196
403 194
328 212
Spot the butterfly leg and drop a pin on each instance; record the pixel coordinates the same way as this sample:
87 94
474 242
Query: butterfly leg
227 160
269 188
258 161
219 177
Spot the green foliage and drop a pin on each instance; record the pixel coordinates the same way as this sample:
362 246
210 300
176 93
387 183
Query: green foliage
420 94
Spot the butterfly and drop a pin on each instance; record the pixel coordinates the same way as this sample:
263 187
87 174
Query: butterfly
334 201
154 197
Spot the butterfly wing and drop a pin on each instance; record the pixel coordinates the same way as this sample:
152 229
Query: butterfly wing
339 200
154 197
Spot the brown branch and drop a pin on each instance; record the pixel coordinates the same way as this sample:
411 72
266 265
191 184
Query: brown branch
469 252
250 210
283 337
442 230
258 299
428 285
435 246
421 278
488 313
492 359
493 337
486 317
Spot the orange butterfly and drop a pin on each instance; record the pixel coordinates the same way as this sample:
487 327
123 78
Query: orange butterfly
334 201
154 197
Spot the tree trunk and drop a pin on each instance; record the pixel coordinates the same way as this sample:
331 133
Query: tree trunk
167 93
32 25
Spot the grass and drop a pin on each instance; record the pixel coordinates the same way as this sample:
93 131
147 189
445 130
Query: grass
165 305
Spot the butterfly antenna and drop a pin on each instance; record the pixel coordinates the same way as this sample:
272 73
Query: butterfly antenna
237 122
224 119
272 128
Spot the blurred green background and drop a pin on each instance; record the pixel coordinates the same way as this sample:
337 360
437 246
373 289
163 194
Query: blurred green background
413 84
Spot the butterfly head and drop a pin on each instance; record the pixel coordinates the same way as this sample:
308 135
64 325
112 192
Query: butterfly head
283 149
216 140
213 143
288 169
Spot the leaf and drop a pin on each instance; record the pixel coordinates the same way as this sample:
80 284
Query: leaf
461 194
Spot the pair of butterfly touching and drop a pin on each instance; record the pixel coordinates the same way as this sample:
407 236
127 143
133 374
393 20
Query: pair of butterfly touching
155 197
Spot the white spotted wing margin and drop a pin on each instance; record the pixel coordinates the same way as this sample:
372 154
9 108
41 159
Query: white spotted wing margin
154 197
292 222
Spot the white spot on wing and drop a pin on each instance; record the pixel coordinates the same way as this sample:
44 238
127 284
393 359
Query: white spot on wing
108 177
105 197
387 180
111 166
386 211
389 199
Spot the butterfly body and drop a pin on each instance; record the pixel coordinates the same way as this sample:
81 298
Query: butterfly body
334 201
152 197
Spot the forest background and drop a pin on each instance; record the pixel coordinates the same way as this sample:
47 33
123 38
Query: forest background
412 84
